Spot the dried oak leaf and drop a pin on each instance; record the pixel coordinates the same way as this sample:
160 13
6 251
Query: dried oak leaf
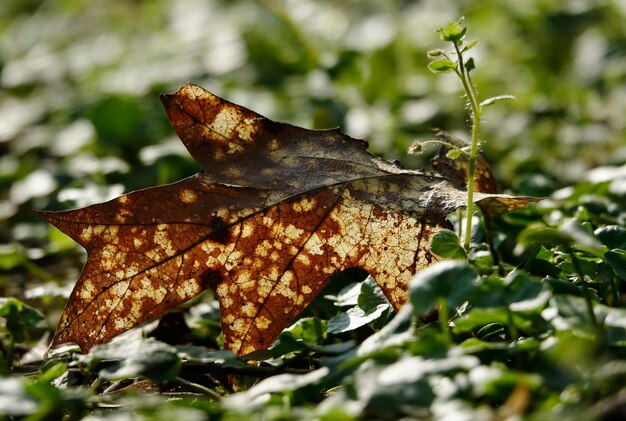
457 169
275 212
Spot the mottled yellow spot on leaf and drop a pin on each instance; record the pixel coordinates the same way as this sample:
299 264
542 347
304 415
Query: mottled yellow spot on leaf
225 121
247 230
188 196
263 322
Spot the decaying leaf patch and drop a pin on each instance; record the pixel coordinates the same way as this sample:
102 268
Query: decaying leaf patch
276 211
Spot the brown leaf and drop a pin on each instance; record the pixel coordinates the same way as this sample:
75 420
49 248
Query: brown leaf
276 211
457 169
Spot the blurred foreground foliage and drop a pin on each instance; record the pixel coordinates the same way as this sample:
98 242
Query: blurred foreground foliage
539 330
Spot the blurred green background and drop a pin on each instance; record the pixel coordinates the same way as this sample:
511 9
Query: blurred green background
81 121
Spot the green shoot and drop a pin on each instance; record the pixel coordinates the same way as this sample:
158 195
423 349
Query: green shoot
444 62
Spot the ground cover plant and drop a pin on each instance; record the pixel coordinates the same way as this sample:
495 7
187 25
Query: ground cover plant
531 318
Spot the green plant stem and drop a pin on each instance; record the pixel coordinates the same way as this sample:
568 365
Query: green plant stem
444 319
198 388
475 115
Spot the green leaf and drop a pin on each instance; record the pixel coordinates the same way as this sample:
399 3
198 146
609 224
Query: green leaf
475 346
159 365
40 400
452 281
615 323
469 45
617 260
455 153
398 330
11 256
305 335
347 296
311 330
372 304
525 292
470 65
135 356
354 318
371 295
500 387
434 53
478 317
430 343
494 99
453 32
612 236
21 319
444 65
286 344
545 236
447 244
52 370
275 384
582 236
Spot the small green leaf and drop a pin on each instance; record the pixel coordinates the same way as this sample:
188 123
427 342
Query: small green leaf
447 244
454 153
354 318
469 45
52 370
494 99
451 281
415 148
434 53
445 65
347 296
311 330
470 65
372 304
453 32
306 335
371 295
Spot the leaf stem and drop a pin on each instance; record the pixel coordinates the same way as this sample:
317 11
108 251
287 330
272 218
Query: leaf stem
468 86
444 319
